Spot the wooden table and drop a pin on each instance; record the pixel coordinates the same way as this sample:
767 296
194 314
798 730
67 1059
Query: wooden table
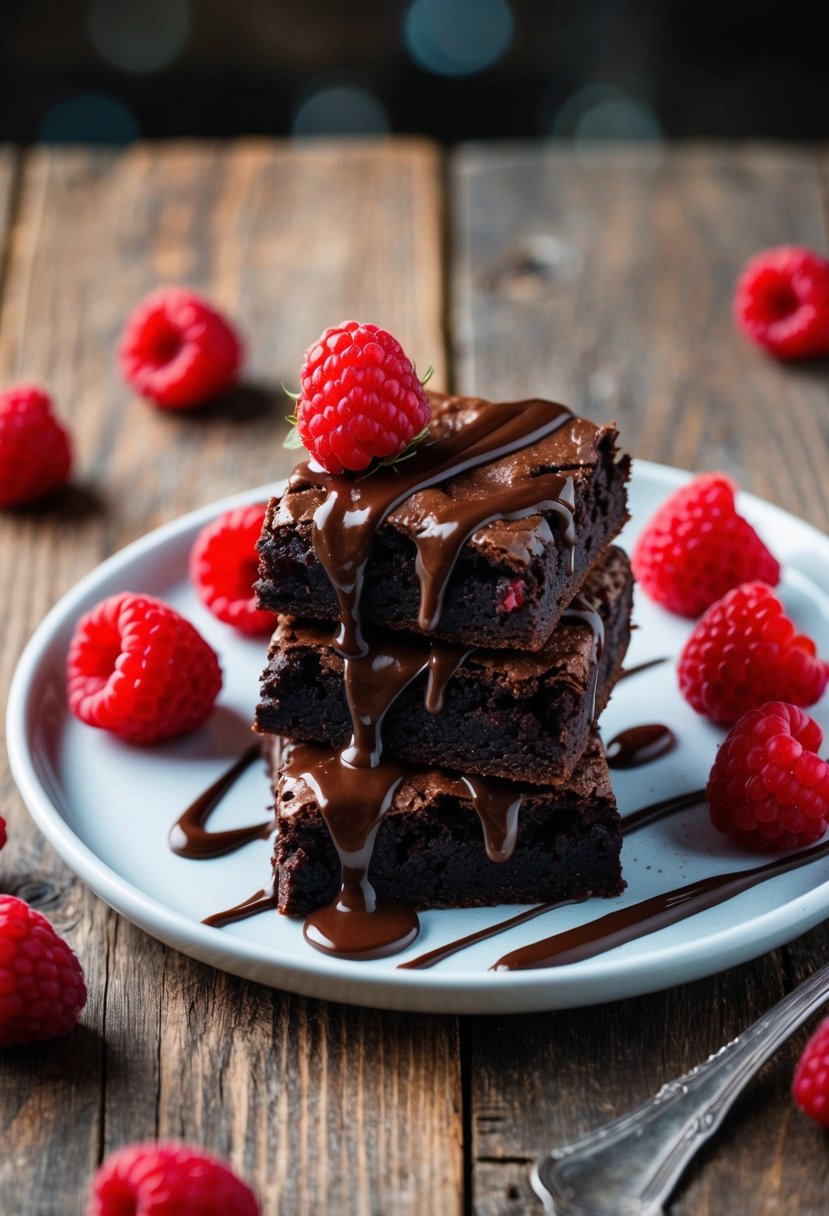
604 282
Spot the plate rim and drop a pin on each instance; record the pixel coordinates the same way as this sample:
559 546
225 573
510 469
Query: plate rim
342 980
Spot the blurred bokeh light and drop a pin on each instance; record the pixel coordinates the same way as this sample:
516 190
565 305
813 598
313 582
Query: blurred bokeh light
139 37
332 107
90 118
458 37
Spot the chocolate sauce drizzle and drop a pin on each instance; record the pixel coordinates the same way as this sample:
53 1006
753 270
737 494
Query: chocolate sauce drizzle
263 900
355 787
627 672
640 745
626 924
188 835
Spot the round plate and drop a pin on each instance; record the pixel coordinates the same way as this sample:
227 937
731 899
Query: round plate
107 807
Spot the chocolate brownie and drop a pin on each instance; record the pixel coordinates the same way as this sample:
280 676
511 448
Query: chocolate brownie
523 717
513 577
430 850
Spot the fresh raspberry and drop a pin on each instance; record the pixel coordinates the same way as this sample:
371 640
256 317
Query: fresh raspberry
745 651
178 350
768 788
140 670
3 836
696 547
360 398
42 990
782 302
168 1180
811 1077
224 567
35 453
513 597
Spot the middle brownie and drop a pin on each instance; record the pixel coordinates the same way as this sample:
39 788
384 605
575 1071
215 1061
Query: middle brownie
521 716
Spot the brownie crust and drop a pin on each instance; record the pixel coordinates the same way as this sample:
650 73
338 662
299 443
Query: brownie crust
529 552
521 717
430 852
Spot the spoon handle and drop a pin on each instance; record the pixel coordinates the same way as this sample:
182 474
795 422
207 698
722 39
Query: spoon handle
630 1166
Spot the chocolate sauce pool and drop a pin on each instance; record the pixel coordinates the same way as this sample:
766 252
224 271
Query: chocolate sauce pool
640 745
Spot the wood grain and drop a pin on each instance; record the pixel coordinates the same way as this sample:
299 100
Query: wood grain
606 282
318 1105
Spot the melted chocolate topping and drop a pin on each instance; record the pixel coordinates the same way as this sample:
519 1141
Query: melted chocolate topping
188 835
354 789
640 745
345 523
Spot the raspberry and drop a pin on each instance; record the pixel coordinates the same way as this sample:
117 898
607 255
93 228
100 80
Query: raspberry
811 1077
782 302
768 788
42 990
3 836
140 670
35 452
744 651
513 597
696 547
224 567
177 350
168 1180
360 398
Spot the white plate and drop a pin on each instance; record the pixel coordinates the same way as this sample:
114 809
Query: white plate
107 807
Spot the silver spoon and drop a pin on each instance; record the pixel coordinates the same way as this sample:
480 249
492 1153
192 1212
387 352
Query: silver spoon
630 1166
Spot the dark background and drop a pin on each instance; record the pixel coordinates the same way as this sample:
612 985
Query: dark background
116 70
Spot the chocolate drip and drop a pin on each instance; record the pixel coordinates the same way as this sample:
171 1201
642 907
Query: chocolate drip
627 672
651 915
640 745
344 525
441 533
374 680
188 835
582 610
497 805
353 802
261 901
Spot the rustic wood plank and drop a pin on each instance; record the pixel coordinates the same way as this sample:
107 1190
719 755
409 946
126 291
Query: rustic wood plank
320 1106
607 283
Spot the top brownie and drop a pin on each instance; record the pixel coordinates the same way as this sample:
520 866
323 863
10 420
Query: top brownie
513 577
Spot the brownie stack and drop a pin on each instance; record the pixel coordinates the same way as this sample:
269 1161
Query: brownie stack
502 793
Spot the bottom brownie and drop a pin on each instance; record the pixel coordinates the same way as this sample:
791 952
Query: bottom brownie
430 849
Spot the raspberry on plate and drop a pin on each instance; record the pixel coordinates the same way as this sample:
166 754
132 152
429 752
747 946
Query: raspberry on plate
696 547
177 350
811 1077
42 989
224 566
768 787
139 669
35 451
744 651
168 1180
360 398
782 302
